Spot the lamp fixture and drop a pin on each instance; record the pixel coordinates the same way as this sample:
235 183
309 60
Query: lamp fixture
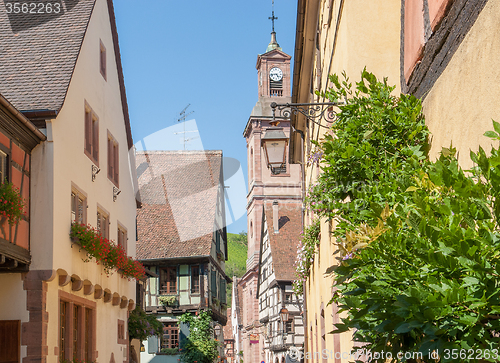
284 318
95 171
274 143
217 330
314 112
284 314
116 192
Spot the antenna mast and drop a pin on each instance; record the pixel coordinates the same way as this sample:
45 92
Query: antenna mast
182 119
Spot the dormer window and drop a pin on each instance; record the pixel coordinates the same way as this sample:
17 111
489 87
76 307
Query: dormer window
102 59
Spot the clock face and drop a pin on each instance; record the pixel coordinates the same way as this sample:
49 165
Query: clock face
275 74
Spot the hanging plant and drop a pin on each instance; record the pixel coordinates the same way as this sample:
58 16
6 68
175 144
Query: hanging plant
305 255
105 252
11 203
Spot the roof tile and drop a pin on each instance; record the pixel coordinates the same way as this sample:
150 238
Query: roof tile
179 191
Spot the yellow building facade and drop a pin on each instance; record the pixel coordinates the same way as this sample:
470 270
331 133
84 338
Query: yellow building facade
441 51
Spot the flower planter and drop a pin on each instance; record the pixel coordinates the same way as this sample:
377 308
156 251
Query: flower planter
105 252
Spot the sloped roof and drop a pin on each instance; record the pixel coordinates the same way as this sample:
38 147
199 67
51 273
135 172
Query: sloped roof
284 244
228 328
179 191
38 53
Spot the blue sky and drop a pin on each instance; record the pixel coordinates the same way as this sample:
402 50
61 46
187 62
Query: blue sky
201 53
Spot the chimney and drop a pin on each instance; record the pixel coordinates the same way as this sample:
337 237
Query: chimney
275 217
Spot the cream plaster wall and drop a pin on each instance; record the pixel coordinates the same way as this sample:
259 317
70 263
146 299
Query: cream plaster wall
368 36
13 305
60 164
464 99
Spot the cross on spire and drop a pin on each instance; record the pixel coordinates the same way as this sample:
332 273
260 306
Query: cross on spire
273 18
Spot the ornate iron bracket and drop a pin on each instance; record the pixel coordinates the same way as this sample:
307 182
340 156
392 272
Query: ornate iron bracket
314 112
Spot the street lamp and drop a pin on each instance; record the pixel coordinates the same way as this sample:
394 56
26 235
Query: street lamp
284 314
284 319
274 143
217 330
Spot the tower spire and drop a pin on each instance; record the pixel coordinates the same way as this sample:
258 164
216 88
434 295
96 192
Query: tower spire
273 44
273 18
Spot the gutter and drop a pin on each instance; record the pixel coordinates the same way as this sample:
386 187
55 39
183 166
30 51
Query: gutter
24 120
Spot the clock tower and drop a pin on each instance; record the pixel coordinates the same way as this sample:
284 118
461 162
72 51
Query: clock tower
284 186
280 186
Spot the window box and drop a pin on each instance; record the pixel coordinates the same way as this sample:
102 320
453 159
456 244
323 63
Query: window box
105 252
169 300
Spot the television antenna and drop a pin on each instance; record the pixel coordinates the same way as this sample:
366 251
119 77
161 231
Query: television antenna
182 119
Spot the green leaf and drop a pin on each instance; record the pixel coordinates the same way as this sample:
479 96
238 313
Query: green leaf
496 126
402 328
491 134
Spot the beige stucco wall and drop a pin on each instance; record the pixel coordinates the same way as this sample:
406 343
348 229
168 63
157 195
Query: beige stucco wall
59 164
464 99
368 36
13 304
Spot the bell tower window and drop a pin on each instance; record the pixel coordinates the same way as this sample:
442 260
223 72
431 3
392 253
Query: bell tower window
275 82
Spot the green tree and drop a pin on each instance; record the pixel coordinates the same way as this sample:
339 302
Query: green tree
200 346
236 263
419 242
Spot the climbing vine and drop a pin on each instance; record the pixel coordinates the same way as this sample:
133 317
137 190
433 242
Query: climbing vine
419 241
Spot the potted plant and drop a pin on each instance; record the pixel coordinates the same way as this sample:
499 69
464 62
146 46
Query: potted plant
168 300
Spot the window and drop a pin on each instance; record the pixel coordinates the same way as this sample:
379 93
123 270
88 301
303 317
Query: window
78 208
112 159
122 338
122 238
288 297
170 338
103 223
289 326
102 59
63 327
195 279
75 329
91 135
168 280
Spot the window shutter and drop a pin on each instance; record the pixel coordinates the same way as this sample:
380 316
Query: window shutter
88 132
213 287
222 290
153 345
95 140
110 158
115 164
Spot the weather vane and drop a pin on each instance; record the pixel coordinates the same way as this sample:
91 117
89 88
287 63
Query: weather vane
273 18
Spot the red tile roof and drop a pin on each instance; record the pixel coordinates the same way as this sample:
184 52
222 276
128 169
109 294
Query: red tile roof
284 244
179 191
228 328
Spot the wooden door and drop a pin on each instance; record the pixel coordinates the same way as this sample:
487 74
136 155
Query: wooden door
10 341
